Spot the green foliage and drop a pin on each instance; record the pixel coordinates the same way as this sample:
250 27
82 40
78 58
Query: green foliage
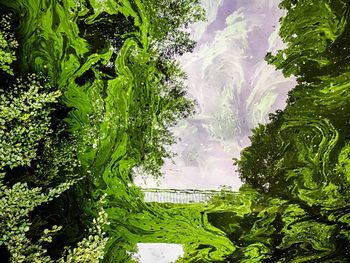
91 248
153 132
8 44
24 120
38 163
16 202
25 124
172 17
309 29
265 150
58 161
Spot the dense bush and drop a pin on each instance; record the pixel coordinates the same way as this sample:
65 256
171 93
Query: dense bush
37 164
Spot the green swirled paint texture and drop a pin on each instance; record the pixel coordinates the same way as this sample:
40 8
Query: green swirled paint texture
294 206
116 106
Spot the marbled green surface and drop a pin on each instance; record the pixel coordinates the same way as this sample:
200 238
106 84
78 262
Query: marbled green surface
294 206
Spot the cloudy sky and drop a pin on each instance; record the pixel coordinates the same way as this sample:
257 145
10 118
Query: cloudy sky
234 88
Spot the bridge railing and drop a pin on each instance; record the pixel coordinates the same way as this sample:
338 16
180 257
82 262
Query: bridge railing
183 196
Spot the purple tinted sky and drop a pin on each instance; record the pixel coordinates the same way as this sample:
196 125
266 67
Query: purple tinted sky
235 90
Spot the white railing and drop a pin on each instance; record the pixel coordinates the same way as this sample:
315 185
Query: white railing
182 196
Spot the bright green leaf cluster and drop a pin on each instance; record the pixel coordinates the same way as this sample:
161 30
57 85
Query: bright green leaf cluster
16 203
24 120
8 44
91 248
